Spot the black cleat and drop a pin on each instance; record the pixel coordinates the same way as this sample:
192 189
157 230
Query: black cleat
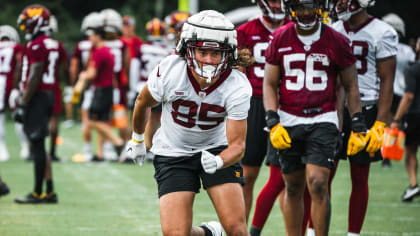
31 198
386 163
97 159
4 190
50 197
55 158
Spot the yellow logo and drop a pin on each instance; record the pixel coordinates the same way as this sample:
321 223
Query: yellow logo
34 12
238 174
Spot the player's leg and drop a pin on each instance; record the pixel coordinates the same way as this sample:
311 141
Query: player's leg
86 128
255 150
411 166
4 153
293 201
24 142
317 178
359 196
266 199
53 136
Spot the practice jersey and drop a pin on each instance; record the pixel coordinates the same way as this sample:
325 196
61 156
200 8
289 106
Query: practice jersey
255 36
147 58
372 41
42 49
82 52
9 53
103 61
193 119
308 74
405 56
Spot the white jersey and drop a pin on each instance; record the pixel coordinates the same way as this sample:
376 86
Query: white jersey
405 56
372 41
193 119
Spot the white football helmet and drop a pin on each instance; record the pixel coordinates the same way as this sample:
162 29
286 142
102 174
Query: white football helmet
208 30
112 21
274 15
53 24
396 22
91 21
352 7
7 31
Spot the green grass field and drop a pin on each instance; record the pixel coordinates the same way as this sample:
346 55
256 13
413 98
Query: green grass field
117 199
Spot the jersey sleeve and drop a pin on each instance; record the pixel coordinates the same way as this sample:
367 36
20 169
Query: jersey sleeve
155 83
412 77
344 54
37 53
241 38
239 101
387 45
272 55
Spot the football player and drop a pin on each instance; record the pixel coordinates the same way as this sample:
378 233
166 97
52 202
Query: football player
100 71
299 95
10 64
147 58
36 106
205 105
374 43
61 68
255 36
405 56
129 35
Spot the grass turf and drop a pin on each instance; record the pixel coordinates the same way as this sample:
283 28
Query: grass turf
119 199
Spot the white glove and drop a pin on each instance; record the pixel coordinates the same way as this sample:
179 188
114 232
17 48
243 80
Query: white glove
68 94
14 98
210 162
136 149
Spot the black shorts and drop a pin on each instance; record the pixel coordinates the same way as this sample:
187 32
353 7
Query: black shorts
101 107
273 155
311 144
412 129
395 103
37 115
362 157
256 138
174 174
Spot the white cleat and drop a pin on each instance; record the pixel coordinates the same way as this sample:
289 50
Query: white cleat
24 151
109 152
4 154
215 228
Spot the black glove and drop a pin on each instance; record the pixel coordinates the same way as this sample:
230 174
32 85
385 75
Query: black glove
19 114
271 118
358 124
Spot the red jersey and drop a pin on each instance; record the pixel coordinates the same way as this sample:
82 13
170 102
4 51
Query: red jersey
133 44
308 72
42 49
8 52
255 36
103 61
82 51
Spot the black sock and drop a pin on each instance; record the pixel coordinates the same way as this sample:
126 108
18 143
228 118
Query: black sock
50 188
254 231
207 232
40 161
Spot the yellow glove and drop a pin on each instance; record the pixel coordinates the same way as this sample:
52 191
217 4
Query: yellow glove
375 137
279 137
357 141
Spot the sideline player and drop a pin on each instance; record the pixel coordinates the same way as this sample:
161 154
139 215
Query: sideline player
303 61
203 127
36 106
374 43
255 36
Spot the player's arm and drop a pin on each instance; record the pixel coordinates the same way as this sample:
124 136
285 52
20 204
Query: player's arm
349 81
35 76
341 98
270 87
73 69
386 71
126 60
18 71
236 136
141 110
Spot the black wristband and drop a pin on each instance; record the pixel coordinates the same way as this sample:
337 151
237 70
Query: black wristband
358 124
271 118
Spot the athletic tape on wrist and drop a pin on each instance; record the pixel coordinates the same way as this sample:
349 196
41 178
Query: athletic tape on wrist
137 138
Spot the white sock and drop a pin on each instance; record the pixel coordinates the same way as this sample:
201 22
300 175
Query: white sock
352 234
20 133
2 127
310 232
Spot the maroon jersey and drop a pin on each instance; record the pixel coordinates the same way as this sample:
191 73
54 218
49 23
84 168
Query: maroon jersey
308 73
255 36
82 51
103 61
62 58
42 49
118 49
8 52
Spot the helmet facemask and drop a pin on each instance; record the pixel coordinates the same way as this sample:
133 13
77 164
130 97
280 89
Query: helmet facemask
270 14
306 22
344 10
207 71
